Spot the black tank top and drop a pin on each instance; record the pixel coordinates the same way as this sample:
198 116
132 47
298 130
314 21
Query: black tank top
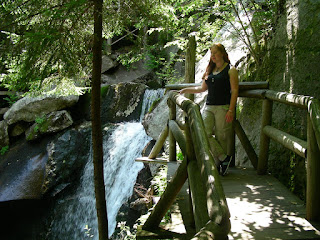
219 90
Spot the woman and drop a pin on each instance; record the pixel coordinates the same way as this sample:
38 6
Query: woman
221 81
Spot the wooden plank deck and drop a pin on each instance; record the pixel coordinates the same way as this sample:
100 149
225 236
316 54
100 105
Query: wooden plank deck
260 206
263 208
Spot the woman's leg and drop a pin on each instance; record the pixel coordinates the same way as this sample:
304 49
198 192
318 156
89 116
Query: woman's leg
209 123
208 120
223 129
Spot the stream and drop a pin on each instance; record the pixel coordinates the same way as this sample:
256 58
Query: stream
75 217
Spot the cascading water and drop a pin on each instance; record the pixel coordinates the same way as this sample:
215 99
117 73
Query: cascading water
78 219
150 96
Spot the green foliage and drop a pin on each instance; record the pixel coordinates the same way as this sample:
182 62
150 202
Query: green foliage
39 121
167 72
127 59
125 232
250 21
42 38
4 150
180 156
160 181
11 99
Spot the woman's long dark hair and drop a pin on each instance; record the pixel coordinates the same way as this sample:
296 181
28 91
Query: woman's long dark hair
211 64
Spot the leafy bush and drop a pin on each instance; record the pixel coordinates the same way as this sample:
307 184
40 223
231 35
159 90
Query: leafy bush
11 99
4 150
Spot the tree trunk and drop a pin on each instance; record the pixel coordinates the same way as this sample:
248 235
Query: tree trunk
96 124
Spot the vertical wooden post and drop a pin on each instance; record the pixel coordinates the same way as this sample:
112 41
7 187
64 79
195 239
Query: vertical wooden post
264 139
198 195
313 176
172 141
190 156
190 63
233 140
167 198
159 143
245 143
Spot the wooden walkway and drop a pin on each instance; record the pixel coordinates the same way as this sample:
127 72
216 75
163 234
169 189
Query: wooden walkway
260 206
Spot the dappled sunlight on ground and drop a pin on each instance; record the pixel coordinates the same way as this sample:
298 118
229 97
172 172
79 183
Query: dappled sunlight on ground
262 208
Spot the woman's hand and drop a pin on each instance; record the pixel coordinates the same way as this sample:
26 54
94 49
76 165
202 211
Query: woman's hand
229 116
182 91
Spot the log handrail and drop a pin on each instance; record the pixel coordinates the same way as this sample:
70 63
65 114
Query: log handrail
212 216
199 162
204 157
309 149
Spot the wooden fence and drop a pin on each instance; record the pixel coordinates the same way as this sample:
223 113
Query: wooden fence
210 210
308 149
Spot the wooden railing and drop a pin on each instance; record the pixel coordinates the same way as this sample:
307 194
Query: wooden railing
307 149
210 210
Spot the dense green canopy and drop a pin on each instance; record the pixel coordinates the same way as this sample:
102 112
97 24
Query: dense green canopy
53 38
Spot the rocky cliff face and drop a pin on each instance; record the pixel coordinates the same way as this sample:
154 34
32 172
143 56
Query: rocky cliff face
290 64
47 123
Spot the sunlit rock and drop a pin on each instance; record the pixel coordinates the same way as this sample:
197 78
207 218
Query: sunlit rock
28 109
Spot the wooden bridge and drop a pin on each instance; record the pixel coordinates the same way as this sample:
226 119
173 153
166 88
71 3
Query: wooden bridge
247 203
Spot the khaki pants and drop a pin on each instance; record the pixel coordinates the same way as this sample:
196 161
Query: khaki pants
215 124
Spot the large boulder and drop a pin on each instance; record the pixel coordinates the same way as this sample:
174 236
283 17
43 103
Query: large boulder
30 170
119 102
107 63
67 155
122 75
22 171
28 109
155 121
53 122
122 102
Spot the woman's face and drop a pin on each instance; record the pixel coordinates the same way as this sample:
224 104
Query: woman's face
216 55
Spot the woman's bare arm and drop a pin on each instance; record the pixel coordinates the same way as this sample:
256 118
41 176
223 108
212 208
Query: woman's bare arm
234 84
197 89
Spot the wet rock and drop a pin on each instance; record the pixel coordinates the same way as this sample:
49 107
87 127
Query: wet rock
53 122
121 102
22 171
67 155
139 202
155 121
28 109
140 205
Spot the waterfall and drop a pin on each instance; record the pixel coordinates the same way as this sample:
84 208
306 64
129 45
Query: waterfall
77 218
150 96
